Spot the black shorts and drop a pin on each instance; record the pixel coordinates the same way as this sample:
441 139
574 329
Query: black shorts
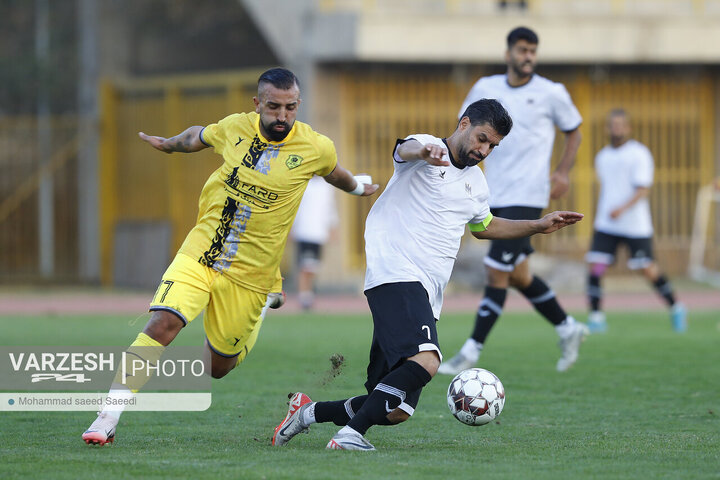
308 255
604 246
404 326
505 254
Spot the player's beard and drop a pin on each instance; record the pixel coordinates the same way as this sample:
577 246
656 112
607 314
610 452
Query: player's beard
617 140
275 135
466 159
518 69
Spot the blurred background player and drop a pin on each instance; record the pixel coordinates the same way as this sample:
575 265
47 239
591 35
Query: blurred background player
520 182
412 236
229 262
316 218
625 172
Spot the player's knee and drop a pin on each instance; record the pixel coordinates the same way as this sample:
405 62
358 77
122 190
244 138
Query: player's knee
429 360
651 272
219 372
520 282
397 416
222 368
221 365
163 327
498 278
433 365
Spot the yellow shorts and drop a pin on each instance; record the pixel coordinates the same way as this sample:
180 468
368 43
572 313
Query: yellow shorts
234 313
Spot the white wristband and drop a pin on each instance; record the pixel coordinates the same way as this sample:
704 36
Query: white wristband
361 180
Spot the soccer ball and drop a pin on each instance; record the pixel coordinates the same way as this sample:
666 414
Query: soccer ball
476 396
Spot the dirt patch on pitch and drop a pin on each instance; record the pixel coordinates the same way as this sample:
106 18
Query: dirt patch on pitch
337 362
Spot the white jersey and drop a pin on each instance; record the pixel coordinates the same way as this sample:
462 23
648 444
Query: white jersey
620 172
317 213
518 171
413 230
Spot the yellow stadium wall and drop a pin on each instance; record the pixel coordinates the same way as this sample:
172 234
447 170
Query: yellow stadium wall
364 110
673 114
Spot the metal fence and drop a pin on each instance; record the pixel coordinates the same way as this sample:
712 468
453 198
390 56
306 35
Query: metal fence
38 199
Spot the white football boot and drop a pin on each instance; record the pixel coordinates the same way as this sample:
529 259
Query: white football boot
570 345
455 365
101 431
678 316
466 358
596 322
349 439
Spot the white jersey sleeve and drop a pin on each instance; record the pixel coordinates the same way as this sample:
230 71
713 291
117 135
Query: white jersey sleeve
421 138
484 216
644 171
565 115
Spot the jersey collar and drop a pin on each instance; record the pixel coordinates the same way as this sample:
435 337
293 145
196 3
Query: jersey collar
450 155
532 77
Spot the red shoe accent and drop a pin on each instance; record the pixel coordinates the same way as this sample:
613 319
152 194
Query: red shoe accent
92 439
296 401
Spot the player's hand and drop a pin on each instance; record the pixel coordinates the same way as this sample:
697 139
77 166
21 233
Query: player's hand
559 184
616 213
156 142
556 220
433 154
276 299
370 188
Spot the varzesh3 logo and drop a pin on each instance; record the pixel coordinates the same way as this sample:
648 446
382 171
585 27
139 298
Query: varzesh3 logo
61 366
182 368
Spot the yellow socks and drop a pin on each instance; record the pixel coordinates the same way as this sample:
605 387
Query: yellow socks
138 363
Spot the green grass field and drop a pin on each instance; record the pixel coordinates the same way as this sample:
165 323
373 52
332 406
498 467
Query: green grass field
642 402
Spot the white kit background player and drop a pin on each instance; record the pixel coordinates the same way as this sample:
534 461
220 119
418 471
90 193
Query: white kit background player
625 171
412 236
520 183
315 220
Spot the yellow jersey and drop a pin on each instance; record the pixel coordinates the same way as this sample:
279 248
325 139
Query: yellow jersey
248 205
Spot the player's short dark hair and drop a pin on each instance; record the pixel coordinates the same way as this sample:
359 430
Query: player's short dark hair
521 33
490 111
281 78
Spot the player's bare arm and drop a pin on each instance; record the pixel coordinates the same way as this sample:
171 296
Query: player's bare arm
186 142
640 192
344 180
504 228
412 150
560 178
